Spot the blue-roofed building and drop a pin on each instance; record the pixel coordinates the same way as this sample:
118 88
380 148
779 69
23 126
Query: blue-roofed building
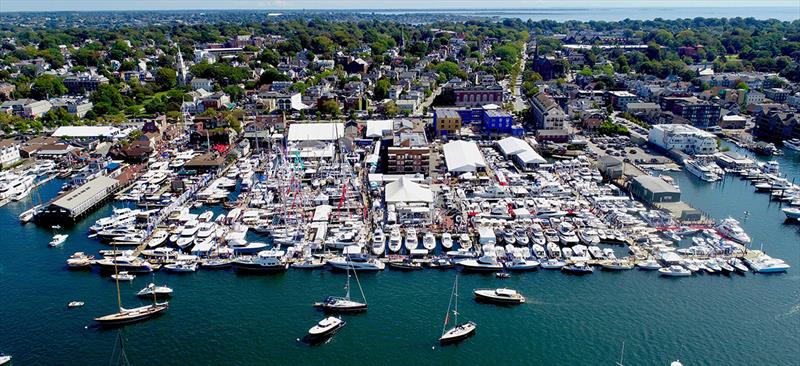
497 121
490 118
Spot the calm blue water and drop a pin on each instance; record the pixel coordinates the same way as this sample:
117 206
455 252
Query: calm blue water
615 14
225 318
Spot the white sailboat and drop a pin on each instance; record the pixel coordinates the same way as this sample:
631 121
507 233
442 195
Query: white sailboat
461 330
344 304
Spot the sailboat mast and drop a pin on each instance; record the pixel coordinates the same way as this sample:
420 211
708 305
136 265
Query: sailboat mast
116 280
455 295
449 305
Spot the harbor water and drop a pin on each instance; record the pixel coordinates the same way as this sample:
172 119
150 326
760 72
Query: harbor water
220 317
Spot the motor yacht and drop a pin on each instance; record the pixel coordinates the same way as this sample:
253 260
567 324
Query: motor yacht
181 267
521 237
123 276
617 265
79 260
356 262
588 236
464 241
378 242
792 144
486 263
730 228
766 264
649 265
58 240
738 265
265 261
499 296
521 264
124 263
792 213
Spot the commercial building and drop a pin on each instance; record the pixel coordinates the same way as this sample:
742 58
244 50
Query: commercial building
685 138
475 96
409 153
88 131
446 121
620 98
654 190
80 200
36 109
547 114
700 113
496 120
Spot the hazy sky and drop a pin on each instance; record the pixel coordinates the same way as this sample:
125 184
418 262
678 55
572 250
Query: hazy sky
58 5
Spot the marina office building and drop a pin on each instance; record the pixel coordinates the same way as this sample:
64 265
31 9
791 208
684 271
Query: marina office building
685 138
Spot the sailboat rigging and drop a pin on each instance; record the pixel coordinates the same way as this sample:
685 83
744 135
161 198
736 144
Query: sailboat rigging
345 304
461 330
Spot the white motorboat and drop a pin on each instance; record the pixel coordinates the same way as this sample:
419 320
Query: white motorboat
500 296
486 263
588 236
792 213
411 239
447 241
792 144
123 276
181 267
357 263
153 290
464 241
159 238
702 170
617 265
538 251
429 241
75 304
326 328
566 234
521 237
767 264
738 265
521 264
378 242
730 228
395 240
58 240
674 271
5 359
649 265
79 260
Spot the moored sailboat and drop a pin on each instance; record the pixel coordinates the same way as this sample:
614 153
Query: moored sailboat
461 330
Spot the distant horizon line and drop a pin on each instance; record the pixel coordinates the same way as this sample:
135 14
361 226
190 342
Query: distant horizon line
403 9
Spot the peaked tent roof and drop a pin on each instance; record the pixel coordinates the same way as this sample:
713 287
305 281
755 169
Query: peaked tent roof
463 156
513 146
405 190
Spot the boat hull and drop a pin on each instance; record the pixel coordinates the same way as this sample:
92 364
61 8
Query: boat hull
458 333
136 315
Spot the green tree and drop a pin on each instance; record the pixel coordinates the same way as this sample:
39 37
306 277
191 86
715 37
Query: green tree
271 75
166 78
381 90
47 86
330 107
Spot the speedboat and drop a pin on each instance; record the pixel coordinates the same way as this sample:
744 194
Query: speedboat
674 271
538 251
793 144
521 237
326 328
730 228
508 236
395 240
378 242
181 267
502 275
738 265
58 239
152 290
566 234
579 268
464 241
447 241
713 266
588 236
75 304
538 238
159 237
429 241
499 296
123 276
405 265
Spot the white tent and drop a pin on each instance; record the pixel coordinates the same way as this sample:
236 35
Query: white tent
512 146
463 156
375 128
404 190
530 157
315 131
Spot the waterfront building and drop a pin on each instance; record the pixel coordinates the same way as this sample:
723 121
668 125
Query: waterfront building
654 190
685 138
409 153
777 124
9 152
